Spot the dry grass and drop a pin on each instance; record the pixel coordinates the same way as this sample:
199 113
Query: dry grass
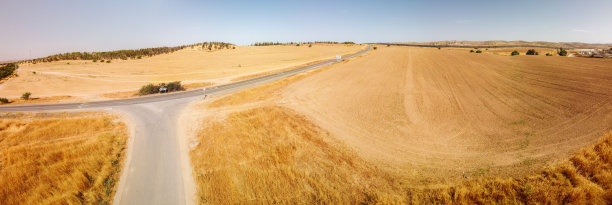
263 92
586 178
36 100
272 72
258 93
272 154
122 94
86 78
60 158
190 86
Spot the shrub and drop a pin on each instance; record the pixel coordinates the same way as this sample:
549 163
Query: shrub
471 51
234 47
4 100
374 48
297 44
309 45
139 57
108 61
95 60
152 88
101 61
148 89
34 72
562 52
548 54
478 51
26 95
514 53
175 86
531 52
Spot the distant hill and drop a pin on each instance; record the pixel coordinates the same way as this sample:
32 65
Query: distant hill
508 44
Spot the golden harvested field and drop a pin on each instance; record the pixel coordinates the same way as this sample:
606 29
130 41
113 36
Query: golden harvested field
414 125
60 158
460 112
86 78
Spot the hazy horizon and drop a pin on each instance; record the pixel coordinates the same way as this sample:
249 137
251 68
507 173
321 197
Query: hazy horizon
38 28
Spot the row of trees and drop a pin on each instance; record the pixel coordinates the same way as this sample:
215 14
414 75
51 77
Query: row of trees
298 43
217 45
560 51
7 70
125 54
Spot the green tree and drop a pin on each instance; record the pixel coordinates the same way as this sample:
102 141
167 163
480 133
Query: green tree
562 52
514 53
26 95
175 86
531 52
148 89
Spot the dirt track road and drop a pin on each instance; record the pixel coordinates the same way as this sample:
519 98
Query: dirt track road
157 169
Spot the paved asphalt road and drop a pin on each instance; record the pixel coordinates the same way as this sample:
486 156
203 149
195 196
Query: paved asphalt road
154 172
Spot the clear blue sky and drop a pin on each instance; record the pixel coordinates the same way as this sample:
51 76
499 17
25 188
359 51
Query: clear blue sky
31 28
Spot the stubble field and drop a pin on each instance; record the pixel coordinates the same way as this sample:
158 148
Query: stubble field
414 125
91 80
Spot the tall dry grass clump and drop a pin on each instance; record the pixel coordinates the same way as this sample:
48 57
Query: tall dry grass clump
586 178
273 155
60 158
